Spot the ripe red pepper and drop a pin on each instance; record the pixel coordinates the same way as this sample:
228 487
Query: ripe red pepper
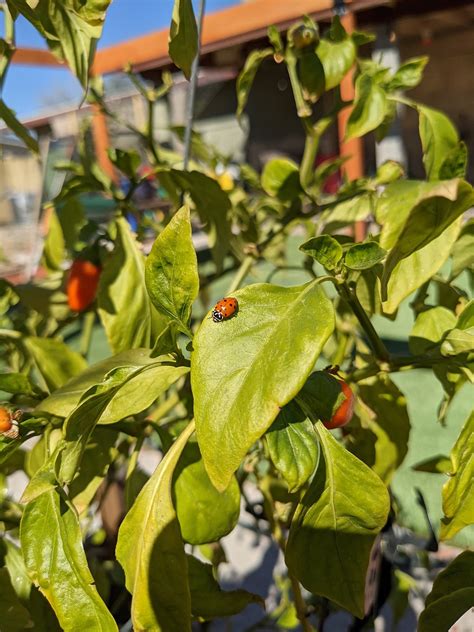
343 414
82 284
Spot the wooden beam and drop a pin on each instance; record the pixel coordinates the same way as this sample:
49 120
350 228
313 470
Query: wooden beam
101 137
353 149
36 57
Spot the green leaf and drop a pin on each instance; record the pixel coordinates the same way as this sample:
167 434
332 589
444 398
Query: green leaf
155 563
363 256
129 318
204 514
15 616
452 595
455 163
292 446
386 425
409 274
266 364
51 542
322 395
18 383
127 161
62 402
275 40
337 54
429 328
212 205
435 465
72 218
426 221
55 361
281 179
325 249
311 75
458 492
183 37
71 29
54 245
369 107
408 75
387 172
335 526
247 76
462 252
208 600
141 390
355 209
171 272
14 125
438 137
98 455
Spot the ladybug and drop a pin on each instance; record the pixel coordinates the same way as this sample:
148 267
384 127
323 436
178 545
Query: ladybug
224 309
9 422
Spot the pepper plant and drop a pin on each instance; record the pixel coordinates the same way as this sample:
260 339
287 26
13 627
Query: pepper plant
243 403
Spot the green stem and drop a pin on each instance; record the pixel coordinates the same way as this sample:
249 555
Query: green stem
394 365
132 464
87 331
349 295
309 156
302 108
242 272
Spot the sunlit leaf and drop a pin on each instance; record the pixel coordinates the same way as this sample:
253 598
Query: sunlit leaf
335 526
363 256
408 75
429 328
269 348
155 563
171 272
281 178
369 107
51 542
56 362
438 137
325 249
14 125
247 76
458 491
337 53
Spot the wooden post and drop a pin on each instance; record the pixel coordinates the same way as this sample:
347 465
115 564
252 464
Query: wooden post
100 134
354 166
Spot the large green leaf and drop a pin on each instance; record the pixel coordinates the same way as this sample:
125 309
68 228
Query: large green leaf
183 38
51 542
128 316
452 595
155 563
171 272
382 442
14 125
369 107
15 616
212 205
429 328
208 600
243 370
204 514
281 178
71 29
458 491
292 446
335 526
247 75
438 137
17 383
337 53
66 398
55 361
429 218
409 274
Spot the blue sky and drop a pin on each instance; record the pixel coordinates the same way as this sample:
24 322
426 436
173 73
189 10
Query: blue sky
28 89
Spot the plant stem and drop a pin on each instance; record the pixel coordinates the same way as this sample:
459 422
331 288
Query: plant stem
349 295
300 604
87 330
394 365
242 272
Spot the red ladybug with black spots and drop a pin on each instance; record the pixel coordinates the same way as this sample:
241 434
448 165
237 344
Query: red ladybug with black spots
224 309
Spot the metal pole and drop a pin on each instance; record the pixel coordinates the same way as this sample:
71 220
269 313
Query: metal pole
192 89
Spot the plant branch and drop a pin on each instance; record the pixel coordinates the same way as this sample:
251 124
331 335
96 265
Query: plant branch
242 272
402 363
349 295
